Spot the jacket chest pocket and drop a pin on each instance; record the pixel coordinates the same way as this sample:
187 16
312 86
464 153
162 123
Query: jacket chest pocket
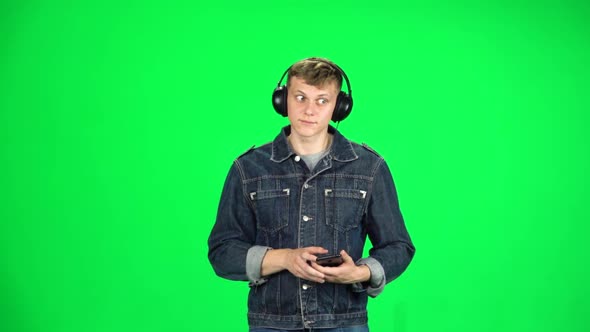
344 208
272 209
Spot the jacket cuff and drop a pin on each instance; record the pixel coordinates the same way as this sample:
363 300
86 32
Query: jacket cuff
254 264
376 284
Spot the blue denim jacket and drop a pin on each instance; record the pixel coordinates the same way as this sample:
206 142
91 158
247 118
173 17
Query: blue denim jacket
272 200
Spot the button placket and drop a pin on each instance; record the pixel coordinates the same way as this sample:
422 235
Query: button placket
307 236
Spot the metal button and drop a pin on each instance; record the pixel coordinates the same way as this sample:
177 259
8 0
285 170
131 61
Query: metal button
306 218
297 158
306 186
305 286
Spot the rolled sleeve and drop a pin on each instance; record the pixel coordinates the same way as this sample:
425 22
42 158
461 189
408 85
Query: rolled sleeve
377 282
254 263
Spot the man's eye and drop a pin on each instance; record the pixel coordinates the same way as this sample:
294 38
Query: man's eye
299 98
322 101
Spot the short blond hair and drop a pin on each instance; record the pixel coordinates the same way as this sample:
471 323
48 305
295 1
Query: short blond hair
316 71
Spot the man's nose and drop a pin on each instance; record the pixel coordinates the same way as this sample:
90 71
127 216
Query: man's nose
309 109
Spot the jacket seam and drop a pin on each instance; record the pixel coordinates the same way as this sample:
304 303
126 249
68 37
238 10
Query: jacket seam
243 184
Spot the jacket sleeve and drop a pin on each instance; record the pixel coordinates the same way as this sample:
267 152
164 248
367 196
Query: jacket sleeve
234 231
392 246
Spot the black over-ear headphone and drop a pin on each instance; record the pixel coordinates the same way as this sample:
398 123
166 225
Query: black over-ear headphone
343 102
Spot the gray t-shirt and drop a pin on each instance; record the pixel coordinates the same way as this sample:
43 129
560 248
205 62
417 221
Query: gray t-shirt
311 160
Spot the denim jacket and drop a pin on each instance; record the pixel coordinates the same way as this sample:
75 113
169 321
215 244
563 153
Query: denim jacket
272 200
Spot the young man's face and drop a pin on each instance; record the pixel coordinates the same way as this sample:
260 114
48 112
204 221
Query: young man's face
310 108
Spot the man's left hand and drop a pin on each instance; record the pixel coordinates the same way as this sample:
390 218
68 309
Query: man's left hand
346 273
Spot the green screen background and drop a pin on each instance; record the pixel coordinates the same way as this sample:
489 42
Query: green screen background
119 122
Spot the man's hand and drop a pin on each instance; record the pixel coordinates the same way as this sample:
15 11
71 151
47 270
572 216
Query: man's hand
295 261
346 273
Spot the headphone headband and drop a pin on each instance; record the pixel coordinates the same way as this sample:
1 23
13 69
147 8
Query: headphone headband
329 63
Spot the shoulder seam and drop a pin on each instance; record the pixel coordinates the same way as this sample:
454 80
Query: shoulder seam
245 152
367 147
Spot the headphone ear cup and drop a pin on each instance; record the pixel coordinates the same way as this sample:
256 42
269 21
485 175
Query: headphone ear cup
343 107
279 100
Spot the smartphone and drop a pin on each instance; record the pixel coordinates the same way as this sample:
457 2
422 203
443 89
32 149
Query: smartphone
330 260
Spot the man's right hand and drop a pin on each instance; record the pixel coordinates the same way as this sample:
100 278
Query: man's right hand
295 261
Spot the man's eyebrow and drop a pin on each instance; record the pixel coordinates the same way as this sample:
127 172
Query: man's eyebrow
320 95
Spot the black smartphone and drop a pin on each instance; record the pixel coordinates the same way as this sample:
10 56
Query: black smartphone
330 260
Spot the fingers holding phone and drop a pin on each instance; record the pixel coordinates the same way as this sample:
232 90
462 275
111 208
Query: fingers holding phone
341 269
296 261
330 260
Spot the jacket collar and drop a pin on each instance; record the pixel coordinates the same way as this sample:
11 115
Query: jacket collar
341 149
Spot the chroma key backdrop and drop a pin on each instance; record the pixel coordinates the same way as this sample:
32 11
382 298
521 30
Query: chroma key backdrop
119 121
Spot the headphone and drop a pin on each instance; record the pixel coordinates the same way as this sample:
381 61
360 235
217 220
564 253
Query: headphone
343 101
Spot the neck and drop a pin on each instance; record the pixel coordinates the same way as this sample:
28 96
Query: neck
310 145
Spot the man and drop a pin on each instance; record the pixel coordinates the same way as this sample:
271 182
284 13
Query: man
309 193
